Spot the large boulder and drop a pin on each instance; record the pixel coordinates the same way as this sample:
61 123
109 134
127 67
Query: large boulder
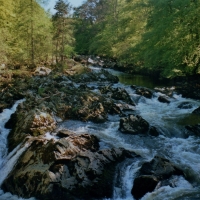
196 111
133 124
11 92
69 168
28 122
88 106
151 173
117 94
164 99
142 91
153 131
194 129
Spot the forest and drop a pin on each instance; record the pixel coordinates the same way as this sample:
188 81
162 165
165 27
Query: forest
144 35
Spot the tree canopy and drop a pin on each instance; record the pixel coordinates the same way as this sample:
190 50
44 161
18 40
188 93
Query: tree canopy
153 35
28 32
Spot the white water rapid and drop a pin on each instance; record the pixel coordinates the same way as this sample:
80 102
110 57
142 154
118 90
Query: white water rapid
7 161
183 151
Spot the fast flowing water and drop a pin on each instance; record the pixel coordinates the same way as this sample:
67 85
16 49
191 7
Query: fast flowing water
7 161
171 144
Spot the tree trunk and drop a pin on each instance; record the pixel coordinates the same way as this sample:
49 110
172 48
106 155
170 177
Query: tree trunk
32 38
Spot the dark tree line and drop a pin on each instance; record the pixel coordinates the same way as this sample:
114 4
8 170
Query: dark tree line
151 35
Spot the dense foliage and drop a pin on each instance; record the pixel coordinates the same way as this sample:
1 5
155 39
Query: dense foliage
30 35
157 35
149 35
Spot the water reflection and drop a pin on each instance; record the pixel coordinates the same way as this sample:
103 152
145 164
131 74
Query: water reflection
139 80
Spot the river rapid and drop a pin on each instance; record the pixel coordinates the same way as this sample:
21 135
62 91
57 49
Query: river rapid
173 144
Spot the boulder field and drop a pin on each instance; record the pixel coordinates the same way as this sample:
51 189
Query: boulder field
71 165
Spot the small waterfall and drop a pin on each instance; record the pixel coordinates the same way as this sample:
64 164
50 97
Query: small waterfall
10 161
7 162
124 180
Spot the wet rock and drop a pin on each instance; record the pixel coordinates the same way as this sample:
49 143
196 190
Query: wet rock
133 125
102 76
197 111
195 129
28 122
2 107
151 173
88 106
153 131
56 95
72 168
117 94
64 133
11 92
185 105
168 91
144 184
11 122
125 107
163 99
144 92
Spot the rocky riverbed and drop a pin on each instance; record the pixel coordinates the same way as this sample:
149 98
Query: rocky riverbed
63 164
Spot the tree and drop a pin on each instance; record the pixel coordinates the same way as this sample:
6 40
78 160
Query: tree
31 32
171 41
63 32
7 17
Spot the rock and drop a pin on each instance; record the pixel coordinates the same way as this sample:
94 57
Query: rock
58 95
133 125
90 61
71 167
185 105
42 71
11 92
195 129
151 173
163 99
117 94
28 122
41 123
11 122
144 92
64 133
197 111
125 107
2 107
153 131
144 184
101 77
168 91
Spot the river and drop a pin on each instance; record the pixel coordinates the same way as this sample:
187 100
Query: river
171 144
